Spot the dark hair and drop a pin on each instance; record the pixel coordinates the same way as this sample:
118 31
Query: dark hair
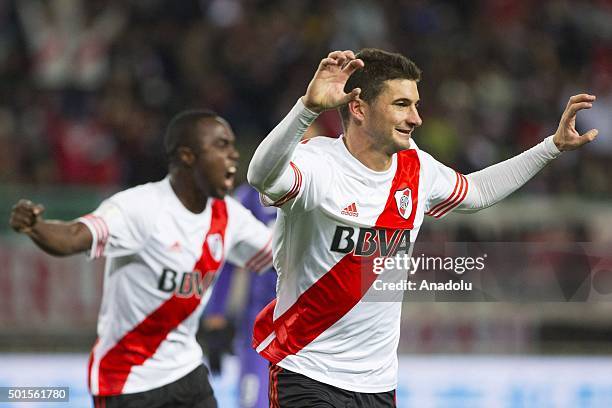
181 130
380 66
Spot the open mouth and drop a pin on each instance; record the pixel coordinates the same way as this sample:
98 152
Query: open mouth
230 173
404 131
228 181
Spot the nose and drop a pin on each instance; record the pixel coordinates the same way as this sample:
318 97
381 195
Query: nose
414 118
234 154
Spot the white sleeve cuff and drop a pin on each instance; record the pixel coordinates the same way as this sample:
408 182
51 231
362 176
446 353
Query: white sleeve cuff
99 233
305 112
551 148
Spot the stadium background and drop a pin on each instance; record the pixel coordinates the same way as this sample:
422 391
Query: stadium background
86 88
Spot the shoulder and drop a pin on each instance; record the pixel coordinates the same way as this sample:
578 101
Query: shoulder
234 207
425 158
316 145
316 153
143 199
239 217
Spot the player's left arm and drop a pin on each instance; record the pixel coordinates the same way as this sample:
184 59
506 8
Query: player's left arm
55 237
490 185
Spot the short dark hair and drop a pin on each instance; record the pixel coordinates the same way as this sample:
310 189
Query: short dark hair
181 130
380 66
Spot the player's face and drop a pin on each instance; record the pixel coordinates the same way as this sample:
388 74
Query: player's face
392 117
216 157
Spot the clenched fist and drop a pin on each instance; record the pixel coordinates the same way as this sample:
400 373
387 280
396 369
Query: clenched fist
25 215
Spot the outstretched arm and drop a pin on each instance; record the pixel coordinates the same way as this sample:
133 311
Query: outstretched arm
488 186
56 238
270 171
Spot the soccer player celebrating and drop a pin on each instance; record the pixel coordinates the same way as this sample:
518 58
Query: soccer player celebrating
344 202
163 243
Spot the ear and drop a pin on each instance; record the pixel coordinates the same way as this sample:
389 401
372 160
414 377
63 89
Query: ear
356 109
185 156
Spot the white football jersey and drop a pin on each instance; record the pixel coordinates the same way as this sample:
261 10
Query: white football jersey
336 219
161 262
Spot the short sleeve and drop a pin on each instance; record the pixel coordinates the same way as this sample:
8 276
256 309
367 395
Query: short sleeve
448 189
119 225
312 178
250 245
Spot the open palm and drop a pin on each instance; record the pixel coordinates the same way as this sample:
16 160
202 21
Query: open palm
326 90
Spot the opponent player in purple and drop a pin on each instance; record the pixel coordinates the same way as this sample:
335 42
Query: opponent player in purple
254 373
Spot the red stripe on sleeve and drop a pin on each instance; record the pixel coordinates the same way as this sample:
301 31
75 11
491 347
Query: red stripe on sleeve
255 259
104 238
464 188
99 233
448 199
267 260
455 200
297 185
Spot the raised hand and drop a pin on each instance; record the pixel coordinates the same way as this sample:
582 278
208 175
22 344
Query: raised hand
566 137
25 215
326 90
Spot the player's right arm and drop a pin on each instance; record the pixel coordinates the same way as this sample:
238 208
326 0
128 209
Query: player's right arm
270 170
58 238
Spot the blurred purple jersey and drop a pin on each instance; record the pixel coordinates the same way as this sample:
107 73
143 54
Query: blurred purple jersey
261 290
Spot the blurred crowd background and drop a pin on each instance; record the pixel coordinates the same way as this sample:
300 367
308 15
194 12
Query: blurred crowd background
87 87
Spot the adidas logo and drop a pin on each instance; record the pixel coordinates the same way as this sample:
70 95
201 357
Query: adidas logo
351 210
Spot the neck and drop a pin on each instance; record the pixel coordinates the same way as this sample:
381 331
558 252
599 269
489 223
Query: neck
367 151
188 193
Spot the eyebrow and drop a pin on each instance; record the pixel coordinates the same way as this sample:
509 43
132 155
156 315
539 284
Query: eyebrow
225 138
408 100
